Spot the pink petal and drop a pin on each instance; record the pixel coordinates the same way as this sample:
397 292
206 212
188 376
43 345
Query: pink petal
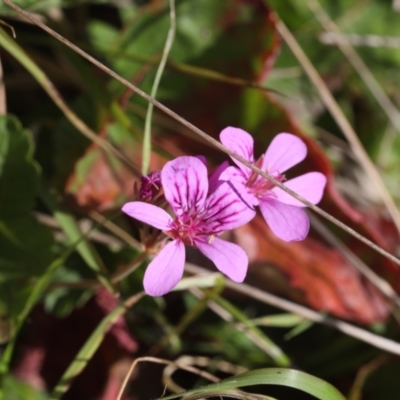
149 214
289 223
185 184
214 180
202 159
229 258
310 186
229 207
285 151
166 270
237 181
233 173
240 142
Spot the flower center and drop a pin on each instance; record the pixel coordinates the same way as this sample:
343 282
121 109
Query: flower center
185 230
259 186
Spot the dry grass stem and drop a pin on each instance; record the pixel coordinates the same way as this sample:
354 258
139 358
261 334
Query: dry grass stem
344 327
86 228
363 373
178 365
357 62
116 230
333 38
337 113
204 362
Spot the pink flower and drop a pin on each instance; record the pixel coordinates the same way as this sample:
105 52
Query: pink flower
199 218
282 212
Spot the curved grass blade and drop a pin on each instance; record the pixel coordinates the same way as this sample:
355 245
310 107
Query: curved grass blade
150 106
234 394
267 376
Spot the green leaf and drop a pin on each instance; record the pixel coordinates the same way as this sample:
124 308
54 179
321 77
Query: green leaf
18 390
268 376
18 171
236 394
25 244
25 247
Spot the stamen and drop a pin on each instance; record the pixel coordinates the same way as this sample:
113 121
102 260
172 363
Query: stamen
260 186
187 231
